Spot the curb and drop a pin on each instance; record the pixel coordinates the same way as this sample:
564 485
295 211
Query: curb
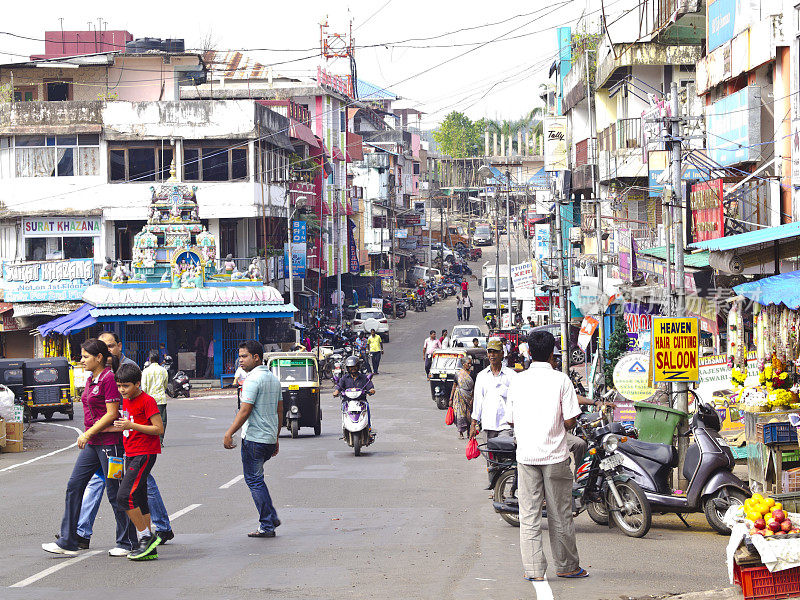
729 593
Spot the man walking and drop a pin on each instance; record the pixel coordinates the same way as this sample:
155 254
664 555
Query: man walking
375 343
489 412
259 418
428 346
459 307
154 384
209 360
467 305
540 424
111 339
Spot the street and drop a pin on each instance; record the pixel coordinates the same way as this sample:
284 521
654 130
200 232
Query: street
408 519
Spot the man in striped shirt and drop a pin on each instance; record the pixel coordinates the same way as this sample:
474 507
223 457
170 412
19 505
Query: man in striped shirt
542 405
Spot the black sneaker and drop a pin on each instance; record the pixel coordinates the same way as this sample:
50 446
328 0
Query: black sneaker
147 548
165 536
83 543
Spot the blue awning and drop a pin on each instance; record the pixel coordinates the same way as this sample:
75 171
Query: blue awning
778 289
67 324
274 310
751 238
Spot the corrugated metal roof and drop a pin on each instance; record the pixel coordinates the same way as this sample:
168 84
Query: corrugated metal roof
234 65
369 91
751 238
192 310
697 260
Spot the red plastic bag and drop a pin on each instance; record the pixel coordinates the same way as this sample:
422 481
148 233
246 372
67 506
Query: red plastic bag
450 417
472 449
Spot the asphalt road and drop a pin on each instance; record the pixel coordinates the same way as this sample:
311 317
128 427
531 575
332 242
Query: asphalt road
407 519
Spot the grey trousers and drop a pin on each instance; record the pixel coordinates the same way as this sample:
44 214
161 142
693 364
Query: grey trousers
577 447
491 433
553 483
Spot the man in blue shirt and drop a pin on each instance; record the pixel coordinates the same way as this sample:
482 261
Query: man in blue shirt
259 418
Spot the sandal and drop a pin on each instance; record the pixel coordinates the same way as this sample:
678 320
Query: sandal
579 574
258 533
533 578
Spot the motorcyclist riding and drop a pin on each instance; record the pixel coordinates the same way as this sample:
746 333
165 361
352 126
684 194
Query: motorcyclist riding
354 378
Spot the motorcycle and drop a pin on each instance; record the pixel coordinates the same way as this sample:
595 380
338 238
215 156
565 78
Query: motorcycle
356 430
712 489
601 487
178 384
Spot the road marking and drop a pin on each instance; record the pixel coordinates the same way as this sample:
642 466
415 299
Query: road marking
183 511
53 569
206 418
54 452
233 481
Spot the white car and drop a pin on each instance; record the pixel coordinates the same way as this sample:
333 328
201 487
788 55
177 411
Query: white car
462 336
367 319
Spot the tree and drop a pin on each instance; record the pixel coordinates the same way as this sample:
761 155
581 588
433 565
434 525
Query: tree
457 136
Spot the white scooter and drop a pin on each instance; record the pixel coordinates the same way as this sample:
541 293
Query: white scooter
356 430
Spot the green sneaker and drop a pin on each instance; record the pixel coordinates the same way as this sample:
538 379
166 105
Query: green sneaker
147 548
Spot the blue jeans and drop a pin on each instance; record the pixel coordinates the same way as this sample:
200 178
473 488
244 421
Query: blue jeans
90 460
254 455
94 494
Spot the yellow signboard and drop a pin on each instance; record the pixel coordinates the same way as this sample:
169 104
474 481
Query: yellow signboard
675 349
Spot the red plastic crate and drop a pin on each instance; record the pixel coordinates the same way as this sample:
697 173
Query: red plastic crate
758 583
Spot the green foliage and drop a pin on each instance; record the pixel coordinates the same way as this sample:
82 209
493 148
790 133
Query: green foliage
583 43
6 93
458 136
617 346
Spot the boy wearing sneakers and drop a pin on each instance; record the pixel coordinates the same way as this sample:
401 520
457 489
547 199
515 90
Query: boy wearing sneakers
142 425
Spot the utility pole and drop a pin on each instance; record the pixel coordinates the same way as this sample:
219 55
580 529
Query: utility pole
391 244
497 256
562 284
598 216
681 389
508 247
337 259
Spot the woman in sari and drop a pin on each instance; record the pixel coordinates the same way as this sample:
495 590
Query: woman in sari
461 396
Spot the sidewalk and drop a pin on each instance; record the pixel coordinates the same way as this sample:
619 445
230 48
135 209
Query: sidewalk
729 593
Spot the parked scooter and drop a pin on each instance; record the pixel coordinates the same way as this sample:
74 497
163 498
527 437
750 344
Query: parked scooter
356 429
178 383
712 488
601 488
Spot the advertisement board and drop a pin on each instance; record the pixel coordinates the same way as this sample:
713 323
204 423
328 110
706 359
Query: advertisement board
708 214
555 144
638 318
735 121
46 281
298 260
298 232
522 276
542 242
658 161
61 227
631 377
675 349
720 22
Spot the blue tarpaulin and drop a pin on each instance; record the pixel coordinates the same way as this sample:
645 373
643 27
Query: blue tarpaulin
778 289
74 321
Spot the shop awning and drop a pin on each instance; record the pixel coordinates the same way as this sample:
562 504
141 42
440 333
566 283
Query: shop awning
698 260
303 132
44 309
337 154
74 321
5 307
778 289
751 238
166 313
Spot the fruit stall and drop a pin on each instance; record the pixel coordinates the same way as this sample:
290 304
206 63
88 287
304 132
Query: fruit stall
768 399
764 551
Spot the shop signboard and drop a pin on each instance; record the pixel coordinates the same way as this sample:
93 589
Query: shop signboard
708 214
401 233
409 220
522 276
47 281
631 378
9 324
298 232
555 144
298 260
715 376
721 22
61 227
542 242
675 349
658 161
735 121
638 318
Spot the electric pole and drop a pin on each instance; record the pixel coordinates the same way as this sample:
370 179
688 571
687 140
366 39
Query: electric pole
391 244
562 284
598 222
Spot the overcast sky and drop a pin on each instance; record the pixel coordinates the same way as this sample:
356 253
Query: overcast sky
498 80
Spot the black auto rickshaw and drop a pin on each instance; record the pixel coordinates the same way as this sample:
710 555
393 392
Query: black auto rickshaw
480 360
445 365
299 378
11 376
47 387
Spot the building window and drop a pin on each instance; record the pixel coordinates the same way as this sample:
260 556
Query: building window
275 164
58 248
140 162
58 91
25 93
217 161
57 156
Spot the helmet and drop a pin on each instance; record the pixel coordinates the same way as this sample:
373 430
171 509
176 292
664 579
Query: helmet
352 361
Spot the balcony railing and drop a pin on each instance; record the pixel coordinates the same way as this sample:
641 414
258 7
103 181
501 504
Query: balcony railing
624 133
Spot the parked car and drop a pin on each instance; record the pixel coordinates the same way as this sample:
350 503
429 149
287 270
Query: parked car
425 274
462 336
367 319
576 355
483 235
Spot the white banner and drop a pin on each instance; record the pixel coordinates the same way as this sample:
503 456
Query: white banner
522 276
555 144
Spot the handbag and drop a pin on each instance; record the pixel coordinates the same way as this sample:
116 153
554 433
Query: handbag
450 417
472 449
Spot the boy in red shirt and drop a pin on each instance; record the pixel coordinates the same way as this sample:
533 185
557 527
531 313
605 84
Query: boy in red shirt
141 427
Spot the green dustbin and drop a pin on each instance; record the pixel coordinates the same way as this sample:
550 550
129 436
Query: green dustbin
656 423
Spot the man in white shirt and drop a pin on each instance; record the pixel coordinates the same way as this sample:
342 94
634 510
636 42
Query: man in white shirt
489 411
542 405
428 346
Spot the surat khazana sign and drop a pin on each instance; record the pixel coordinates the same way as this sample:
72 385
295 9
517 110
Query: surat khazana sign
55 226
43 281
675 349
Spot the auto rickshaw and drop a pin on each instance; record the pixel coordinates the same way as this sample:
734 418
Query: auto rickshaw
11 376
445 366
47 387
299 376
